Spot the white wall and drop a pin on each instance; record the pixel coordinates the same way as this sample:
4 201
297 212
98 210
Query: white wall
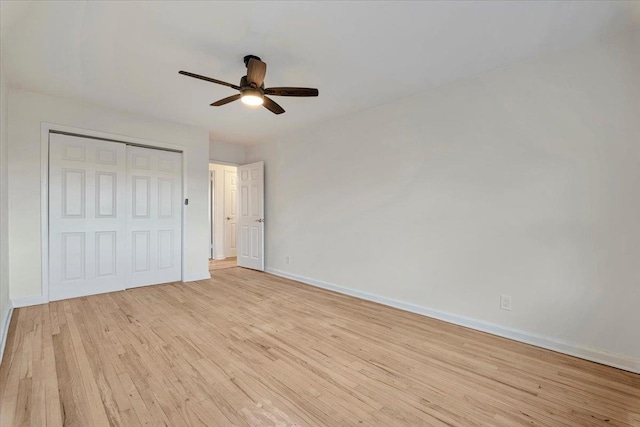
4 225
27 110
223 152
521 182
219 215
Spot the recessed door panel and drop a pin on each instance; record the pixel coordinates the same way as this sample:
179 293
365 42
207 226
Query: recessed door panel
255 243
167 165
106 156
74 151
73 255
165 249
233 238
106 194
244 205
141 160
106 254
233 205
73 194
141 251
244 241
141 196
165 198
254 200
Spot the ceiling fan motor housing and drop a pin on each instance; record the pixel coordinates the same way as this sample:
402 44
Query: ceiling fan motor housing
248 58
244 83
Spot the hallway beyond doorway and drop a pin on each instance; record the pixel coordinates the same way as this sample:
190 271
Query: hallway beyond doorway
220 264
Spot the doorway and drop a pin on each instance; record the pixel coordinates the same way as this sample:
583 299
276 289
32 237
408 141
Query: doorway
223 215
237 216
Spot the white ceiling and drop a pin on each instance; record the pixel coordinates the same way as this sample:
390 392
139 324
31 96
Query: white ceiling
127 55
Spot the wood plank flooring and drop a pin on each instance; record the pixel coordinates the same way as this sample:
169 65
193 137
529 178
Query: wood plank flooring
248 348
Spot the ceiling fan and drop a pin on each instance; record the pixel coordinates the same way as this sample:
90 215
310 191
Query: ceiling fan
251 88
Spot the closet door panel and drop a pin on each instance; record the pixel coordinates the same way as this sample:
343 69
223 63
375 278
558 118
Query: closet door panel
87 186
154 216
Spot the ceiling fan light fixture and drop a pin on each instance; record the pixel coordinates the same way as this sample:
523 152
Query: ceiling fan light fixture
252 97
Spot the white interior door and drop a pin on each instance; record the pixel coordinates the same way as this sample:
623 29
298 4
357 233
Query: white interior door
87 248
154 216
251 216
230 212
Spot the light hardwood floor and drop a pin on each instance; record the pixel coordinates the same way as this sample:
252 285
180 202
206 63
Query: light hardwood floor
247 348
221 264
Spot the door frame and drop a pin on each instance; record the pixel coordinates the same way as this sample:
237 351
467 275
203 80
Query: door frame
212 213
45 130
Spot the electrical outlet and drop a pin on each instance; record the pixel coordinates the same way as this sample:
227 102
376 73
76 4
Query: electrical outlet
288 260
505 302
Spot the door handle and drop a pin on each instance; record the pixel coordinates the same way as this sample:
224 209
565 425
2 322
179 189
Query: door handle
260 220
229 218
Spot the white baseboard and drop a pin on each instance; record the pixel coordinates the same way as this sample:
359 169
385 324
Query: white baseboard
37 300
5 331
28 301
572 349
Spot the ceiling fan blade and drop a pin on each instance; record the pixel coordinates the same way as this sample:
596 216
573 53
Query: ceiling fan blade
272 106
291 91
226 100
256 71
209 79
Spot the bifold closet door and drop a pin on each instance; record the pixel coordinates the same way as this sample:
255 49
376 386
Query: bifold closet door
154 216
87 183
